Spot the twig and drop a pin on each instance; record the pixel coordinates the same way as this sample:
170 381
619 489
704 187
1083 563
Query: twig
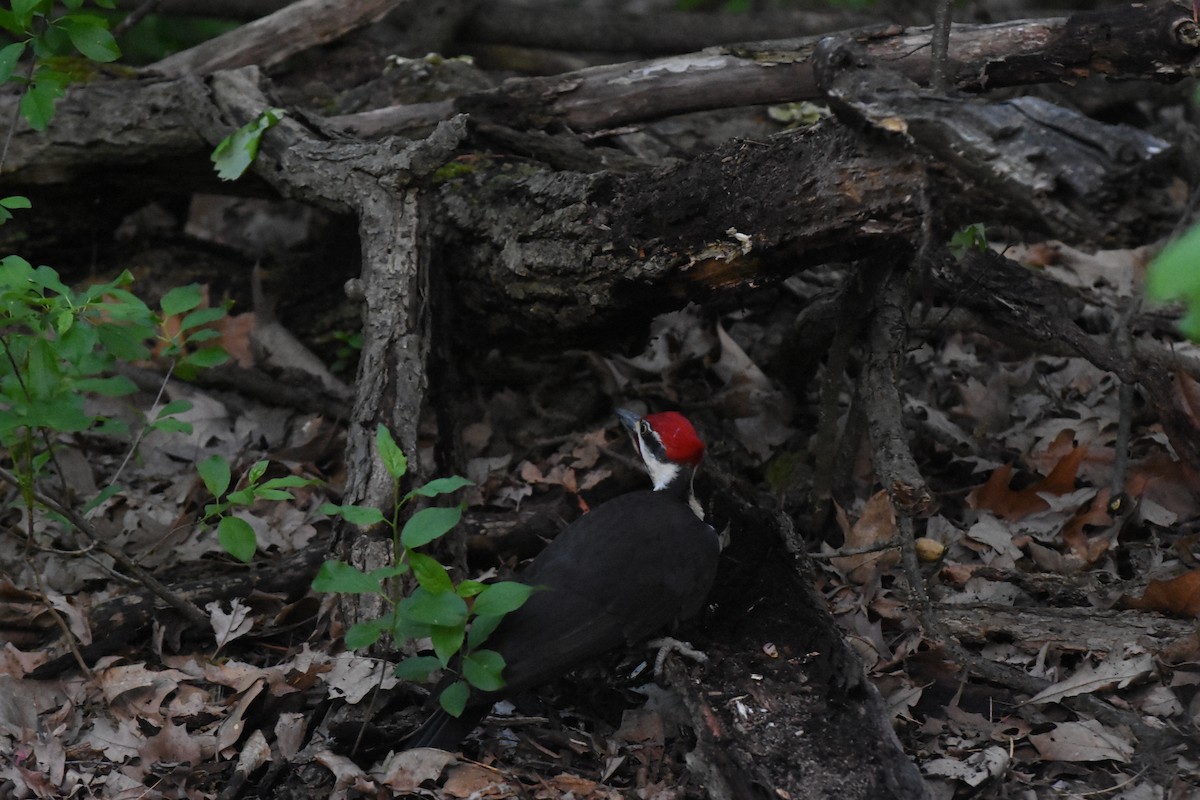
940 44
858 551
189 611
135 16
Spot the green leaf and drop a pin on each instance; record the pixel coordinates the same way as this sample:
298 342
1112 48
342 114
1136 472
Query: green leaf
15 200
972 237
237 537
482 670
174 407
256 471
481 629
430 574
365 634
90 36
447 640
445 608
171 426
114 386
181 299
442 486
469 588
355 515
338 576
37 104
393 457
453 698
206 357
429 524
215 473
501 598
237 151
417 668
200 317
1175 273
24 10
108 492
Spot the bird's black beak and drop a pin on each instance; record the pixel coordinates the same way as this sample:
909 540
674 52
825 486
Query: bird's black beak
630 420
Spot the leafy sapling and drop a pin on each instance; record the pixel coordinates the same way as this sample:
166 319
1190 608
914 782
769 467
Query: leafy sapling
236 535
455 617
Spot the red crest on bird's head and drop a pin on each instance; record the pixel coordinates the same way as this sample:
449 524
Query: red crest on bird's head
680 441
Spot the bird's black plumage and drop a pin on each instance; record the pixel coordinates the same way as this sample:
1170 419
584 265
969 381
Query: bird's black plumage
617 575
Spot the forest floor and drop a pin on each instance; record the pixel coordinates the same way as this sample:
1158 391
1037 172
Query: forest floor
1032 559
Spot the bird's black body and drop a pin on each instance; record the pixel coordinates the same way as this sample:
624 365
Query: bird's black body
617 575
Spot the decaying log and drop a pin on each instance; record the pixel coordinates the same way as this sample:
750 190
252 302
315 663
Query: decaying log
1073 630
1045 167
1157 41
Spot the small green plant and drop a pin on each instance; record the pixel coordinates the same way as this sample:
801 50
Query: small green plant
1175 275
457 617
235 534
40 28
971 237
58 346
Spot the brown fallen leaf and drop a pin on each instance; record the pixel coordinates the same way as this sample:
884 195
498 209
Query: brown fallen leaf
996 496
876 525
1179 596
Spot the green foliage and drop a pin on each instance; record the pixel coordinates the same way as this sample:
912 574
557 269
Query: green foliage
234 534
971 237
44 31
1175 275
456 617
237 151
8 204
59 346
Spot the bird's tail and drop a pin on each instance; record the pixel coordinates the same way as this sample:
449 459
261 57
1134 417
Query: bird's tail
444 731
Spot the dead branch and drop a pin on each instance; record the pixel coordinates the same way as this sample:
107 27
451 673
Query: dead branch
1158 41
271 39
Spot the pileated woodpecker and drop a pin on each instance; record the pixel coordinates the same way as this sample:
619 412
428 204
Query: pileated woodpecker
617 575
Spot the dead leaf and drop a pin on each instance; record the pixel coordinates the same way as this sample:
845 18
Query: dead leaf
1179 596
407 770
996 496
1082 741
1089 548
1116 671
227 627
991 762
474 780
876 525
173 744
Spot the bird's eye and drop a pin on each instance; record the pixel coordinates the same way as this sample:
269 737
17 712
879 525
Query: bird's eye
644 427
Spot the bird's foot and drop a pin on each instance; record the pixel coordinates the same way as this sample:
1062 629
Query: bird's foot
666 645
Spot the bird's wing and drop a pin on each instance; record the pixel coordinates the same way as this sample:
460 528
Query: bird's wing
618 574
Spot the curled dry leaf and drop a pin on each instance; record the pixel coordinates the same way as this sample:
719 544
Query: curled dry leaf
1118 670
876 526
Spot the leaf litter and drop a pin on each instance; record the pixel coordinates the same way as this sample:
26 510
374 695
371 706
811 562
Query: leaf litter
1023 462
